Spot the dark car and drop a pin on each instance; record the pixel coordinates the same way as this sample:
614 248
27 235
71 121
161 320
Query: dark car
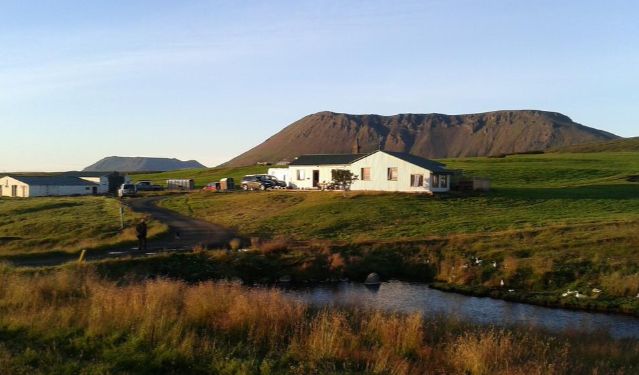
278 183
257 182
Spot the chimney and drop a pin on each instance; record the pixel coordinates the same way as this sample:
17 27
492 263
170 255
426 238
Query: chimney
356 147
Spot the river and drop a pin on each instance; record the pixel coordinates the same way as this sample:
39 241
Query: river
398 296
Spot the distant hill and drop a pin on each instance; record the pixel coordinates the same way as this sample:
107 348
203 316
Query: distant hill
132 164
427 135
617 145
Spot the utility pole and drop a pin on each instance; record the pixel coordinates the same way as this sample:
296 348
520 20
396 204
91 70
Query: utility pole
121 217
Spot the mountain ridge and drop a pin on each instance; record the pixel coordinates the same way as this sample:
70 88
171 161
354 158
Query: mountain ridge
432 135
141 163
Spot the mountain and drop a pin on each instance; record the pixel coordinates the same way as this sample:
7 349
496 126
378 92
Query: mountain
428 135
617 145
132 164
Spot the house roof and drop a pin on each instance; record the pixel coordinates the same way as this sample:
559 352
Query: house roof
87 174
431 165
49 181
326 159
345 159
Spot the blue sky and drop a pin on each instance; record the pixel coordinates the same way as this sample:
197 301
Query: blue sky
207 80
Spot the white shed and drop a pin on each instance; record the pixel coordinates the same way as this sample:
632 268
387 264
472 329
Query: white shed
25 187
108 182
377 171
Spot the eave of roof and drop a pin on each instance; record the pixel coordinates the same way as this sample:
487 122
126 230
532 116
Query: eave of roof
51 181
326 159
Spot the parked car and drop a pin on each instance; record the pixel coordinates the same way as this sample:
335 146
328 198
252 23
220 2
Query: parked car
146 185
126 190
259 182
278 183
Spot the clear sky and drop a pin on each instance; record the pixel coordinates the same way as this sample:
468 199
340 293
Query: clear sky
207 80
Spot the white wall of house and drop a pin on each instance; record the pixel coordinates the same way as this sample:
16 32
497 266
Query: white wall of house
23 190
103 183
53 190
379 163
302 175
13 188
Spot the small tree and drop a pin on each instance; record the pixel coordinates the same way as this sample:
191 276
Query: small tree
343 178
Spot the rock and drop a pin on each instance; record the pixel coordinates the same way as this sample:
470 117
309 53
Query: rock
285 279
373 279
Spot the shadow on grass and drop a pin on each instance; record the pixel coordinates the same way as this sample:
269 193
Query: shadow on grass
611 192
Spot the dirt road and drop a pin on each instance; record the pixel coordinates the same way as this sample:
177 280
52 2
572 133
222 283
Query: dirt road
184 234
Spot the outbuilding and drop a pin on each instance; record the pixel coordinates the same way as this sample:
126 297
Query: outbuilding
26 187
376 171
108 182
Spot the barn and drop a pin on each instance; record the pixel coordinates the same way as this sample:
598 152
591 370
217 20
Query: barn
26 187
376 171
108 182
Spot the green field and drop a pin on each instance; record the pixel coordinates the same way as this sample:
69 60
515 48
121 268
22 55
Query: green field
558 220
531 191
69 224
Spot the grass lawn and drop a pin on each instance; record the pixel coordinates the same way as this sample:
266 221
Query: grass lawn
559 220
202 176
39 225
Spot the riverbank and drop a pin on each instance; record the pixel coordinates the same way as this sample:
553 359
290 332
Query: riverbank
627 305
271 261
74 319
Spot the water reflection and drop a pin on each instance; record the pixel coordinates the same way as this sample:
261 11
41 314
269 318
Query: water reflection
416 297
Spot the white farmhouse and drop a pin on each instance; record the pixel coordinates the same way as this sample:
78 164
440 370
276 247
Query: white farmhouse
308 171
377 171
25 187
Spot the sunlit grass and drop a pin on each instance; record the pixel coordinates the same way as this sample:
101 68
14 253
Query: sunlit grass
39 225
78 322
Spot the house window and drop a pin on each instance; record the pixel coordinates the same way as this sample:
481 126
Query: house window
366 174
416 180
443 181
392 174
440 181
300 175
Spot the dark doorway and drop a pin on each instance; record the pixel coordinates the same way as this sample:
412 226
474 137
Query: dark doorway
95 190
315 178
14 190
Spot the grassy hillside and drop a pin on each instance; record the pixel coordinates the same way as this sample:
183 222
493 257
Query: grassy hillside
39 225
530 191
202 176
552 222
617 145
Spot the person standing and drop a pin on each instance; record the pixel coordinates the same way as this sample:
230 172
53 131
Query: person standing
141 230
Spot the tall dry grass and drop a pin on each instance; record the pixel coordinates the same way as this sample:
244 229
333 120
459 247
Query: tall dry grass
78 317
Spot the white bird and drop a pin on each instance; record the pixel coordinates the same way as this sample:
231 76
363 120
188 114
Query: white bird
579 295
495 264
595 290
502 282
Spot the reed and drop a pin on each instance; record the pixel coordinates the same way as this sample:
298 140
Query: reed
74 321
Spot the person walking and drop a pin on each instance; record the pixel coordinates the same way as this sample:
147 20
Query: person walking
141 230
